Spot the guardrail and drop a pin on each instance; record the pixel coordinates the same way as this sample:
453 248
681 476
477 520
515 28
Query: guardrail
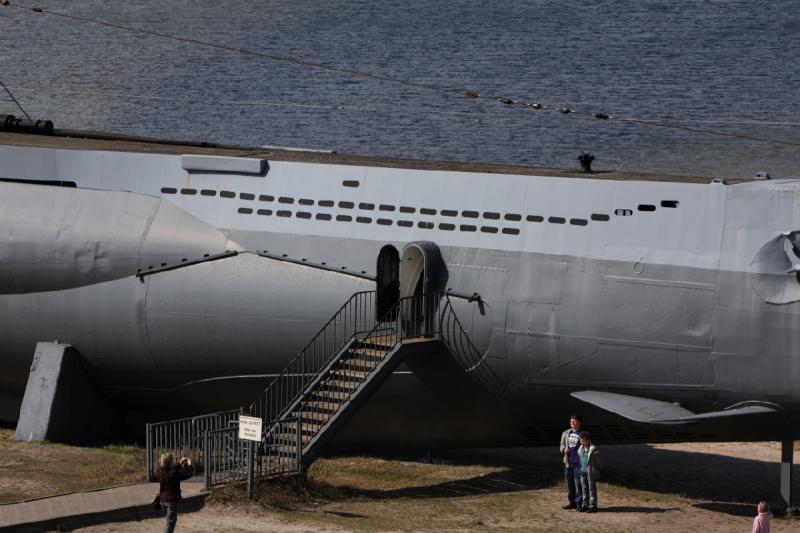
184 437
357 315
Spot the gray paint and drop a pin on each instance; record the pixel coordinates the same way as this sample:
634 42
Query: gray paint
61 404
666 305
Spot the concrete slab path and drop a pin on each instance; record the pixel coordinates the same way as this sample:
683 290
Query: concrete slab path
67 511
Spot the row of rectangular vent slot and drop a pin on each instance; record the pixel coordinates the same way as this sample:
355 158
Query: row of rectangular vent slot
489 215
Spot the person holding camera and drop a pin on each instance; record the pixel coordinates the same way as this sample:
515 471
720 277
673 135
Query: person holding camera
170 476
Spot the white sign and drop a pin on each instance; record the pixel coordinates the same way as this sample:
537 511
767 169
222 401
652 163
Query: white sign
250 428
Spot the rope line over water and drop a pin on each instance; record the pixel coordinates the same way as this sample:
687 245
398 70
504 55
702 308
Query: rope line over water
454 92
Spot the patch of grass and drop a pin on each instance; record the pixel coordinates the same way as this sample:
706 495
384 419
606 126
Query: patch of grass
36 469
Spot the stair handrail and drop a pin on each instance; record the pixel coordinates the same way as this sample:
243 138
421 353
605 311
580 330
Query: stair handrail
299 372
458 341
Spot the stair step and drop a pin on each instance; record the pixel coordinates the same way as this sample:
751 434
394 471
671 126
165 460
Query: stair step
283 450
327 407
312 415
375 353
349 374
289 438
386 341
306 427
330 395
357 363
343 384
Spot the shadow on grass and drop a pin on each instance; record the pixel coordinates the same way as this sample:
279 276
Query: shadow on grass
636 509
735 509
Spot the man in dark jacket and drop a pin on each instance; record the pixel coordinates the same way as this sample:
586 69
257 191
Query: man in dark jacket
170 476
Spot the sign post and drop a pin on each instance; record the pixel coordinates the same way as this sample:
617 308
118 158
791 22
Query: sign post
250 430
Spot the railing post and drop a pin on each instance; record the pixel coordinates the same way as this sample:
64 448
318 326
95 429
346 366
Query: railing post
207 459
149 440
249 470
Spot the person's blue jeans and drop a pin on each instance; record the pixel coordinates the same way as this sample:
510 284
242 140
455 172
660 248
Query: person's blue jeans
588 489
172 517
572 475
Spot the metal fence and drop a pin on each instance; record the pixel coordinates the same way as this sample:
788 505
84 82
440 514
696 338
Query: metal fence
184 437
229 459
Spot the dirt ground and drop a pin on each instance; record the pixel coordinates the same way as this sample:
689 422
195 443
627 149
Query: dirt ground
681 487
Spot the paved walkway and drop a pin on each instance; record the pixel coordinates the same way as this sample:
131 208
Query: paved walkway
131 502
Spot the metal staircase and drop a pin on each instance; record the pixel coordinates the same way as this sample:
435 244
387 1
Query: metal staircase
306 405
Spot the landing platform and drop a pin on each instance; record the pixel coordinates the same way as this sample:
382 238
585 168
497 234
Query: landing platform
130 502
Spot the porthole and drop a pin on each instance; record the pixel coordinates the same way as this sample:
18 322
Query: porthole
600 217
227 194
556 220
246 196
534 218
245 211
168 190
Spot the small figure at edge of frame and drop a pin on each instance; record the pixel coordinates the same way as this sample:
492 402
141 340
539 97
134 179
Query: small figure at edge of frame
761 522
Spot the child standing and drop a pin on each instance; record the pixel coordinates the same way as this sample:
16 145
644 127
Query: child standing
761 522
589 473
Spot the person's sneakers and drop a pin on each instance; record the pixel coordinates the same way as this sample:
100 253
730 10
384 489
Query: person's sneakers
592 509
569 506
582 509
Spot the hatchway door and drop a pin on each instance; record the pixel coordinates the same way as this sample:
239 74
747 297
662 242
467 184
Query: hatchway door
387 281
422 273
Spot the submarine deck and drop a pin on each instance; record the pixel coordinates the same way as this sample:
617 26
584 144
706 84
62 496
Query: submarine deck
101 141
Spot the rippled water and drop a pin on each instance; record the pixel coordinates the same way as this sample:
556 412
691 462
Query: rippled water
692 63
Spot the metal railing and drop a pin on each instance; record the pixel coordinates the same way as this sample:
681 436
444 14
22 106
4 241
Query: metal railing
410 317
184 437
230 459
226 456
356 316
459 343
